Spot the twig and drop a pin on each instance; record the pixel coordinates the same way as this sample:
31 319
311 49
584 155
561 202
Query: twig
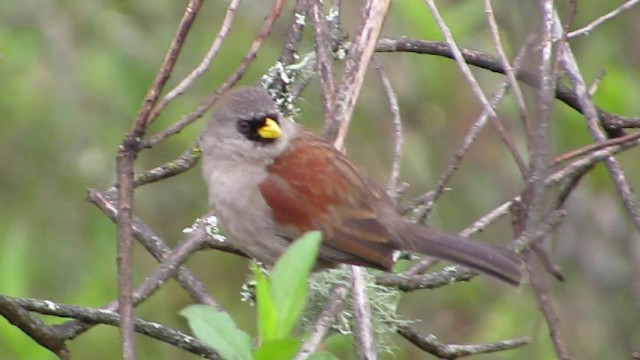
547 309
124 167
204 65
324 57
335 19
468 140
43 334
153 282
392 185
292 39
457 55
591 148
155 246
146 114
356 63
187 119
362 315
108 317
431 345
488 219
611 163
127 153
589 161
613 124
601 20
188 159
323 324
509 70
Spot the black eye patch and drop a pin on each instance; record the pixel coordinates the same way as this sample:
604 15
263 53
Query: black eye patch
249 127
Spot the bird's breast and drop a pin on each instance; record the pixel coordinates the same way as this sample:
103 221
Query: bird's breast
243 213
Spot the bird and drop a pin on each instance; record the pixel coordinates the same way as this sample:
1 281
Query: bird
270 180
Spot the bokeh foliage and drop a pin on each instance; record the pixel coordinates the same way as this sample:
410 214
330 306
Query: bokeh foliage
73 73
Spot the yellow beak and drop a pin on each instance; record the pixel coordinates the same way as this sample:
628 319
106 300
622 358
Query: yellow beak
270 129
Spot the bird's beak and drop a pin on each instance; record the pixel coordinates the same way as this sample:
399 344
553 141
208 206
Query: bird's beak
270 129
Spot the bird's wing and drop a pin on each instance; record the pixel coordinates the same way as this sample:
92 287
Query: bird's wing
312 186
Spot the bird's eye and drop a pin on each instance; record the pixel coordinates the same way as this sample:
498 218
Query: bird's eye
244 127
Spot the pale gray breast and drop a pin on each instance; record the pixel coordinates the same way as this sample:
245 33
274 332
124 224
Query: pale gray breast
243 213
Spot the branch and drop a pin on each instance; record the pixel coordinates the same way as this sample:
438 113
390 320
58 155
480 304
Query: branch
204 65
323 324
36 329
205 105
625 192
431 345
365 342
324 57
356 63
127 153
154 244
109 317
601 20
392 185
153 282
613 124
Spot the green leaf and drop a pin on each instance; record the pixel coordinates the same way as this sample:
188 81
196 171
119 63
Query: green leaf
281 349
289 280
218 330
266 309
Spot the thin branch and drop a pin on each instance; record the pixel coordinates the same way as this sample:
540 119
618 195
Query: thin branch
373 15
204 65
515 86
591 148
362 315
153 282
108 317
546 307
469 139
589 161
292 40
612 123
431 345
205 105
629 201
145 114
154 244
124 168
392 185
127 153
601 20
457 55
187 160
326 318
324 56
36 329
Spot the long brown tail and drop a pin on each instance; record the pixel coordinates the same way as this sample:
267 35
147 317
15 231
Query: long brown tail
489 259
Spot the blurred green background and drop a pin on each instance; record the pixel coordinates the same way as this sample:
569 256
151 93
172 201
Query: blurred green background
72 76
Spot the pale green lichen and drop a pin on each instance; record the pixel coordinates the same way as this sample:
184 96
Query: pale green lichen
289 75
383 302
211 228
301 19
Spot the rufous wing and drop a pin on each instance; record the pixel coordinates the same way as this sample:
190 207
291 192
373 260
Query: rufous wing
312 186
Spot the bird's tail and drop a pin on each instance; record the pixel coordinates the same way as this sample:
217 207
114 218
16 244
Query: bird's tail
493 260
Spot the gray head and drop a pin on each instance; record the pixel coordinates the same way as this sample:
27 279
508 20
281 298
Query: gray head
246 126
